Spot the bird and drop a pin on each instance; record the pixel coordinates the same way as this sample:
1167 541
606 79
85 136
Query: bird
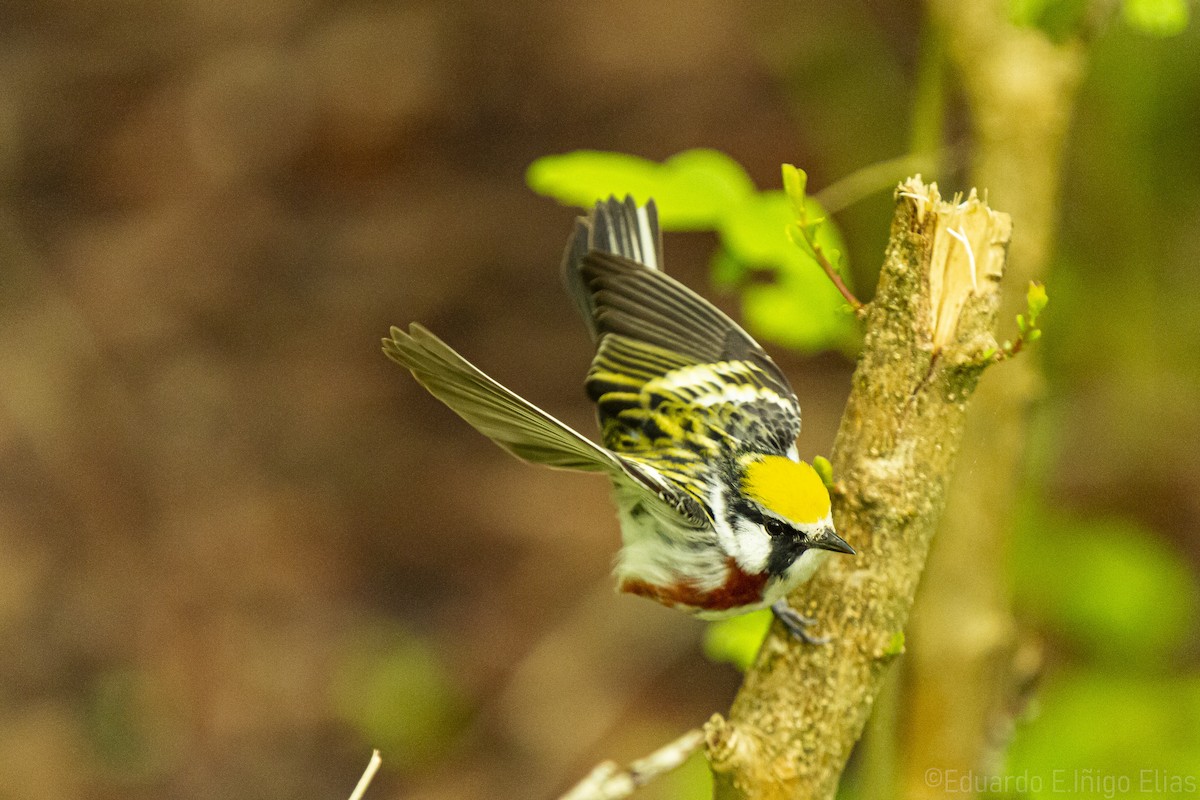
698 427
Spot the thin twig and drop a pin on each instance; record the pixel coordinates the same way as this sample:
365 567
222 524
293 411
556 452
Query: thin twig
609 782
368 775
860 310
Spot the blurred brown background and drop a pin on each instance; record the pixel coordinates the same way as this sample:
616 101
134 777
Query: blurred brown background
239 548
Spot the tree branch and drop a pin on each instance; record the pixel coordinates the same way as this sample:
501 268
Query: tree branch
364 783
609 782
1020 88
802 708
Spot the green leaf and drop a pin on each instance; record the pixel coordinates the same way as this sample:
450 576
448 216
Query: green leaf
1156 17
1036 300
755 229
824 469
895 645
693 189
795 186
707 190
801 309
725 271
799 237
800 313
737 640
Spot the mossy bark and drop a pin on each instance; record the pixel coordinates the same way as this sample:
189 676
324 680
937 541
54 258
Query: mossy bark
801 707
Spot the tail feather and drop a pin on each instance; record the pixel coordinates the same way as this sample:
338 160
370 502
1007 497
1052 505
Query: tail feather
507 419
517 425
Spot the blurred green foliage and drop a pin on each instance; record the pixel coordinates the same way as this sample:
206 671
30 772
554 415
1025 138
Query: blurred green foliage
1156 17
1114 595
1109 588
1121 606
1059 19
1062 19
705 190
1112 735
694 190
737 640
390 686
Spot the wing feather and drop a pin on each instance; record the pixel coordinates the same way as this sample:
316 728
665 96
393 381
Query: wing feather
517 425
621 228
649 329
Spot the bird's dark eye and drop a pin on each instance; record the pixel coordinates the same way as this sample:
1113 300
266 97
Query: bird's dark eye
775 527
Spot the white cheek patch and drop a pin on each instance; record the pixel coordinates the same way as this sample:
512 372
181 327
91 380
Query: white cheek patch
754 547
747 542
725 535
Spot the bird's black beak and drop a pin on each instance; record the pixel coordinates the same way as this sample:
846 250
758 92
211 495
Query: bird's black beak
826 539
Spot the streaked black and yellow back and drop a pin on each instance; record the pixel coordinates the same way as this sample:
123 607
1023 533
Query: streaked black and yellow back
674 379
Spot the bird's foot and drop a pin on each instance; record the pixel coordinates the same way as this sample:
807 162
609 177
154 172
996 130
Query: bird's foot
796 623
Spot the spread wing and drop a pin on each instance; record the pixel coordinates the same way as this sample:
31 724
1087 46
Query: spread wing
669 367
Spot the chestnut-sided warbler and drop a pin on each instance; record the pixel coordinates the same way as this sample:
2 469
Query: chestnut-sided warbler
718 514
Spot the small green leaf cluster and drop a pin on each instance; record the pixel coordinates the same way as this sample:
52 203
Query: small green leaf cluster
705 190
811 232
1027 324
808 227
1035 303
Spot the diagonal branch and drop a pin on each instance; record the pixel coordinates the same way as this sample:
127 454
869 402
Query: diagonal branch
608 781
802 708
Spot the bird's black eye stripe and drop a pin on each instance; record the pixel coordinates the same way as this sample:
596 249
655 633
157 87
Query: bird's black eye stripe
775 527
748 511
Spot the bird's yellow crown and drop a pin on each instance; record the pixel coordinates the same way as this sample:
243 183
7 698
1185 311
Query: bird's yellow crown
791 489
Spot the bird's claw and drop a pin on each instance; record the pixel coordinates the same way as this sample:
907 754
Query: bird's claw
796 623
